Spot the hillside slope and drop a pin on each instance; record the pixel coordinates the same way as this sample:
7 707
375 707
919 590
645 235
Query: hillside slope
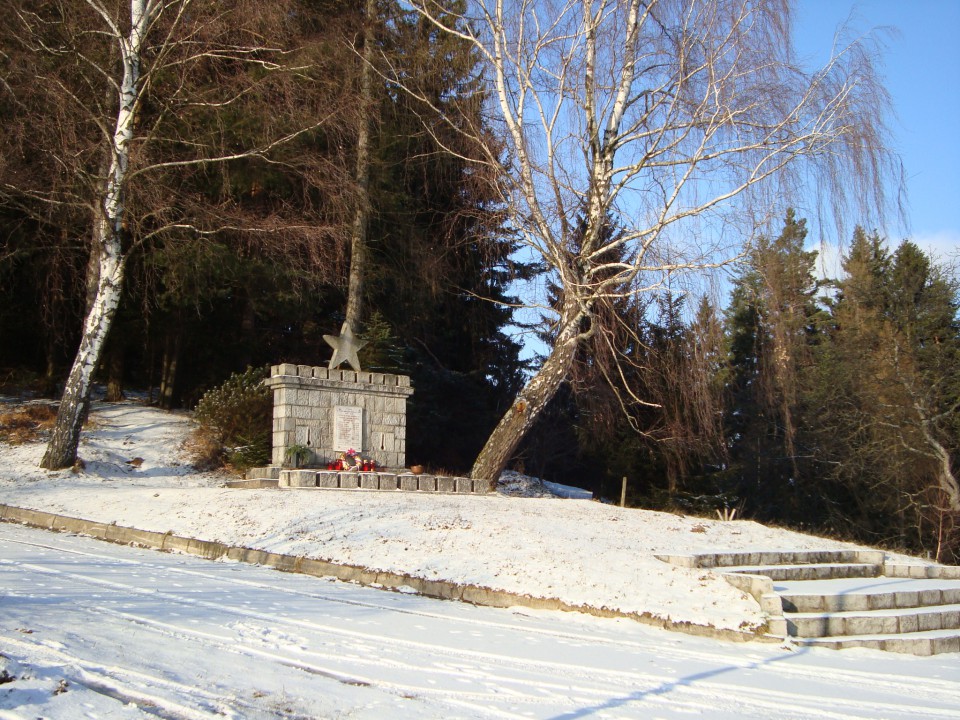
582 552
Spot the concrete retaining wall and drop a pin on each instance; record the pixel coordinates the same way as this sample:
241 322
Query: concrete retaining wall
444 590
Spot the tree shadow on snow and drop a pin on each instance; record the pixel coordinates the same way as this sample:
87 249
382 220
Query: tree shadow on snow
670 686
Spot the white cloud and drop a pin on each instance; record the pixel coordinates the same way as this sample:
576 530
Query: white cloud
941 245
829 256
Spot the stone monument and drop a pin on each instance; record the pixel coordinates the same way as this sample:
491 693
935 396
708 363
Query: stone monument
321 413
329 412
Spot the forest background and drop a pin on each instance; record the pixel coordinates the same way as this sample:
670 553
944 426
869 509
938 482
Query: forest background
824 403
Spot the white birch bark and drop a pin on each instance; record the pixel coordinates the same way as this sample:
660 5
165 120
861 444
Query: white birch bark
107 242
541 388
927 423
173 51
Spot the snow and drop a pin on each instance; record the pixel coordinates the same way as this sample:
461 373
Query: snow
579 551
131 639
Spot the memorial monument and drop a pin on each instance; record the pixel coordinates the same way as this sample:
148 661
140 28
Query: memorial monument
325 412
322 415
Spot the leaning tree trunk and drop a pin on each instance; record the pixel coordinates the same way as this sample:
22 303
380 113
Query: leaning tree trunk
65 438
531 401
108 249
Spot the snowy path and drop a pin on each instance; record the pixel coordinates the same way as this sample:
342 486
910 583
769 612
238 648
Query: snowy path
141 634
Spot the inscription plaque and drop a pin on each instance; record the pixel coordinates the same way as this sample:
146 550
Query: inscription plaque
347 428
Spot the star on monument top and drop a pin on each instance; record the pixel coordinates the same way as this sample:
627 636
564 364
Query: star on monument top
345 348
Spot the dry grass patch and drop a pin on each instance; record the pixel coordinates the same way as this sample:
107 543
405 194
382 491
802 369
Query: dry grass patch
204 448
26 423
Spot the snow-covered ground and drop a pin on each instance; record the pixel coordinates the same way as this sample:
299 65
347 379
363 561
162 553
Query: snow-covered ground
579 551
576 550
94 630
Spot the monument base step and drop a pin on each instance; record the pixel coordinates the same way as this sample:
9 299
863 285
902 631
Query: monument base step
382 481
810 571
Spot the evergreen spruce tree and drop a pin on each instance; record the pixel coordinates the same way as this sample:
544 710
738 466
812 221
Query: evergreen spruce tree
244 261
889 394
438 260
772 323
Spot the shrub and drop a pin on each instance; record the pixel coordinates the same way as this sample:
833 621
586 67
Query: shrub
238 415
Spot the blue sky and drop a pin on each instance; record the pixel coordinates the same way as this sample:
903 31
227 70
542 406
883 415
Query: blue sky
922 70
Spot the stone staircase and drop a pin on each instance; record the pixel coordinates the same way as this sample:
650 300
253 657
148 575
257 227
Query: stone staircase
847 598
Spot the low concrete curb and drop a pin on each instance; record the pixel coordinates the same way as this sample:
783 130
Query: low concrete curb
444 590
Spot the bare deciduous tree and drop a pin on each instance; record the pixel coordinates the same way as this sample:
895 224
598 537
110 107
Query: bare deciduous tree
687 120
130 97
361 221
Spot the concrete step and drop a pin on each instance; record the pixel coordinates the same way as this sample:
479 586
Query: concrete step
812 602
897 614
847 598
929 642
810 571
782 557
875 622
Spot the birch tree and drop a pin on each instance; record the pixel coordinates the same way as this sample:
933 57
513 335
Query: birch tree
689 121
112 87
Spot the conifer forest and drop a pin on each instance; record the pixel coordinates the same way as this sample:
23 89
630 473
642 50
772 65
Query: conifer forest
190 189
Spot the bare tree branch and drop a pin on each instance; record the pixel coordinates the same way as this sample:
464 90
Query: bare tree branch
686 120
